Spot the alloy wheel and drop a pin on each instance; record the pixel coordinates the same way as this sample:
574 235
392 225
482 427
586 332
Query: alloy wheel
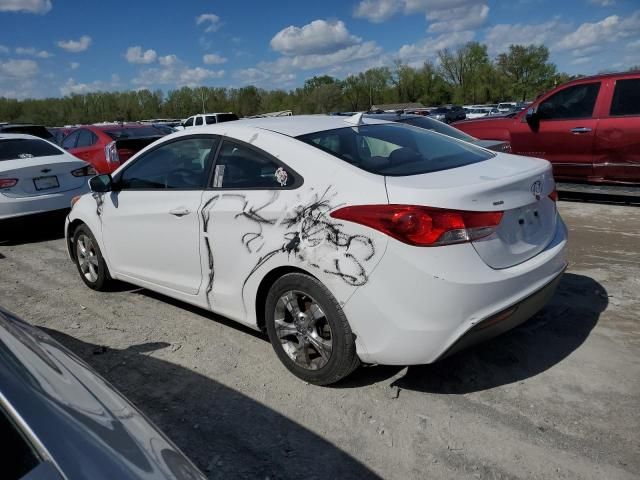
303 330
87 257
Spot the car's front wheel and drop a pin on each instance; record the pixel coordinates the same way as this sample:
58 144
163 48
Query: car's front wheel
89 260
309 331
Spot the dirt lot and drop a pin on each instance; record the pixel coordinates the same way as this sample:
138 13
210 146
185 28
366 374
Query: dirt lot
558 397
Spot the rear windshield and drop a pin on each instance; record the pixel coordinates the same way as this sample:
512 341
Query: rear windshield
133 132
395 149
440 110
227 117
15 148
439 127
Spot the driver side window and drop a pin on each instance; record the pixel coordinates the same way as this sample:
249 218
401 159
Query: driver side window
577 101
179 165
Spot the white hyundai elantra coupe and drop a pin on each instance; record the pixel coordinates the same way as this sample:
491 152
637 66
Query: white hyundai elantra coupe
37 176
347 239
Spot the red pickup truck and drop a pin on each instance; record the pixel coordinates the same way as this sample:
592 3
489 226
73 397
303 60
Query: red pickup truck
589 129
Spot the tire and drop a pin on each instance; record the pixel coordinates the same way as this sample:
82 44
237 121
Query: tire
93 271
302 345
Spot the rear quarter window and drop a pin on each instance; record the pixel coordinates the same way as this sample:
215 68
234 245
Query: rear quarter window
16 148
395 149
227 117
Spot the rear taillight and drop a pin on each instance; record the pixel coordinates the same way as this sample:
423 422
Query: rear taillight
554 195
87 171
422 226
111 154
8 182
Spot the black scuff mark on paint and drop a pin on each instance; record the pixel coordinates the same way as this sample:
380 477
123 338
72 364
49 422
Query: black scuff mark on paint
307 226
206 212
99 198
211 272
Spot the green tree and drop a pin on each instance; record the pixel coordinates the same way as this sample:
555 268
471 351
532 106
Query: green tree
527 68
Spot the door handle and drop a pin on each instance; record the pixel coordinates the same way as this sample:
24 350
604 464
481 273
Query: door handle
180 211
580 130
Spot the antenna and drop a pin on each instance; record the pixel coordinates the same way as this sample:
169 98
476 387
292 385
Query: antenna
356 119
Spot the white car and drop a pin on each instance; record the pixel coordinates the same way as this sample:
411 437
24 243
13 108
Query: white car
208 119
477 113
347 239
506 107
38 176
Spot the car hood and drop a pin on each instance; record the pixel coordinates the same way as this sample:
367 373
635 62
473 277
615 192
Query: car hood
88 428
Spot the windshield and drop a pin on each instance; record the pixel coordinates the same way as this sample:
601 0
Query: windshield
133 132
395 149
15 148
439 127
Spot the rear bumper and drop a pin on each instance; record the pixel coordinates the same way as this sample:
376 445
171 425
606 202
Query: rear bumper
11 207
506 320
420 303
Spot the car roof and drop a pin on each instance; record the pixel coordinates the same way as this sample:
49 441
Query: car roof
393 117
294 126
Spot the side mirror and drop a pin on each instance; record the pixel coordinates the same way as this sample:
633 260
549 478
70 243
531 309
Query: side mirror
101 183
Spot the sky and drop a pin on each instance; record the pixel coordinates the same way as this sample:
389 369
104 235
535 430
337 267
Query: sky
53 48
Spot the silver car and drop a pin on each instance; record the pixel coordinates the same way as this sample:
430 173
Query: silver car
60 420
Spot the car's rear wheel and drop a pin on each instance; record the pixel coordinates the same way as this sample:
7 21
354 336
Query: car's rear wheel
309 331
89 260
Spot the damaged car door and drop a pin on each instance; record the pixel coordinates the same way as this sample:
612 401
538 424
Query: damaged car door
151 220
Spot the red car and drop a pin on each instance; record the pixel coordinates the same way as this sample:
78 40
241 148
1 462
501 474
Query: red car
106 147
589 129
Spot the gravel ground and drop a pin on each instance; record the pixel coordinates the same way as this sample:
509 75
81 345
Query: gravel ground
557 397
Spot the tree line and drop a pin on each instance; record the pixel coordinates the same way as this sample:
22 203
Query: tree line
466 75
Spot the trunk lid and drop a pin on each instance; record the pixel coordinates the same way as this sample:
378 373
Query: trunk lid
518 186
41 175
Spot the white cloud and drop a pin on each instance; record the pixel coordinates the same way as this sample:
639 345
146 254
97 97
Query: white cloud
210 20
317 37
458 19
176 74
581 60
18 69
499 37
634 45
213 59
72 87
377 11
462 14
607 30
32 52
74 65
75 46
416 53
603 3
136 55
4 49
168 60
25 6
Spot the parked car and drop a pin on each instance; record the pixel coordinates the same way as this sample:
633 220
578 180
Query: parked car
209 119
348 239
38 176
448 114
478 112
440 127
164 128
108 146
58 134
60 420
505 107
589 129
27 129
